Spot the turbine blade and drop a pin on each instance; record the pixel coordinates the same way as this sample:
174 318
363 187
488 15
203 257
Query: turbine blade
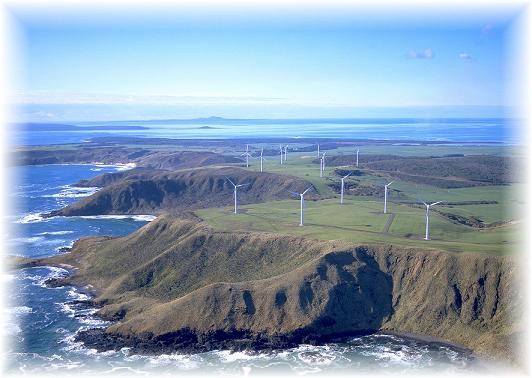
424 203
230 181
349 174
435 203
390 183
243 184
310 187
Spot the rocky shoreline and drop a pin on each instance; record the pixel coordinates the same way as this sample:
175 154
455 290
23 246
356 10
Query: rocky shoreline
187 341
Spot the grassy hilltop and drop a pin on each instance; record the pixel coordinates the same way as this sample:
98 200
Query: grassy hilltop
180 285
476 216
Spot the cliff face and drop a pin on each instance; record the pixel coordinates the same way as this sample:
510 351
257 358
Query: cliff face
142 192
174 276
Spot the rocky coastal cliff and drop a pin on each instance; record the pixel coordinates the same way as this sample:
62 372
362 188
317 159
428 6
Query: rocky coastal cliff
179 285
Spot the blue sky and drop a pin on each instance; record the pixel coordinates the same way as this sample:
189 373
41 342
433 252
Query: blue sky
189 63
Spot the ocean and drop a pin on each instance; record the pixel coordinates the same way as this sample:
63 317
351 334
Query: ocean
481 131
41 322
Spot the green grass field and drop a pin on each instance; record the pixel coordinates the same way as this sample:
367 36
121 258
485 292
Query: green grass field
363 221
361 218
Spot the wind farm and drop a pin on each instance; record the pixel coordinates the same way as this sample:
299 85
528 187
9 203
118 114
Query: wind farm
355 214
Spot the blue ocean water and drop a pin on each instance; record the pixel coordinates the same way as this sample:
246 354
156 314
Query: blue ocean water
41 322
485 130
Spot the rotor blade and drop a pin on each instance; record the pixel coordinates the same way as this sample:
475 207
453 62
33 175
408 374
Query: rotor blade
349 174
390 183
243 184
424 203
310 187
231 181
435 203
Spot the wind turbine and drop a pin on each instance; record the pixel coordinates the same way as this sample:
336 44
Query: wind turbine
322 164
247 155
427 211
261 158
342 190
357 155
302 203
234 191
285 152
318 154
281 150
386 195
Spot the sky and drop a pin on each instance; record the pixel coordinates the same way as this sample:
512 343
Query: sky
82 65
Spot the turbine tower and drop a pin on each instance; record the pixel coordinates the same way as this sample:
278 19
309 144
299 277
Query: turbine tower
261 158
302 203
342 190
357 155
247 155
318 154
427 215
323 164
285 152
281 150
386 195
234 191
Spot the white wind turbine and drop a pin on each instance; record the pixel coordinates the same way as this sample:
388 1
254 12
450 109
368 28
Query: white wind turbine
247 155
342 189
318 154
302 203
285 152
234 191
322 164
357 155
386 195
281 151
427 215
261 158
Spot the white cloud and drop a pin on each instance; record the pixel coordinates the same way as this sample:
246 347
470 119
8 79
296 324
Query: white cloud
464 55
425 54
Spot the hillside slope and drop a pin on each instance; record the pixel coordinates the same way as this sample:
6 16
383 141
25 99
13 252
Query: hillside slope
444 172
145 193
142 157
177 283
